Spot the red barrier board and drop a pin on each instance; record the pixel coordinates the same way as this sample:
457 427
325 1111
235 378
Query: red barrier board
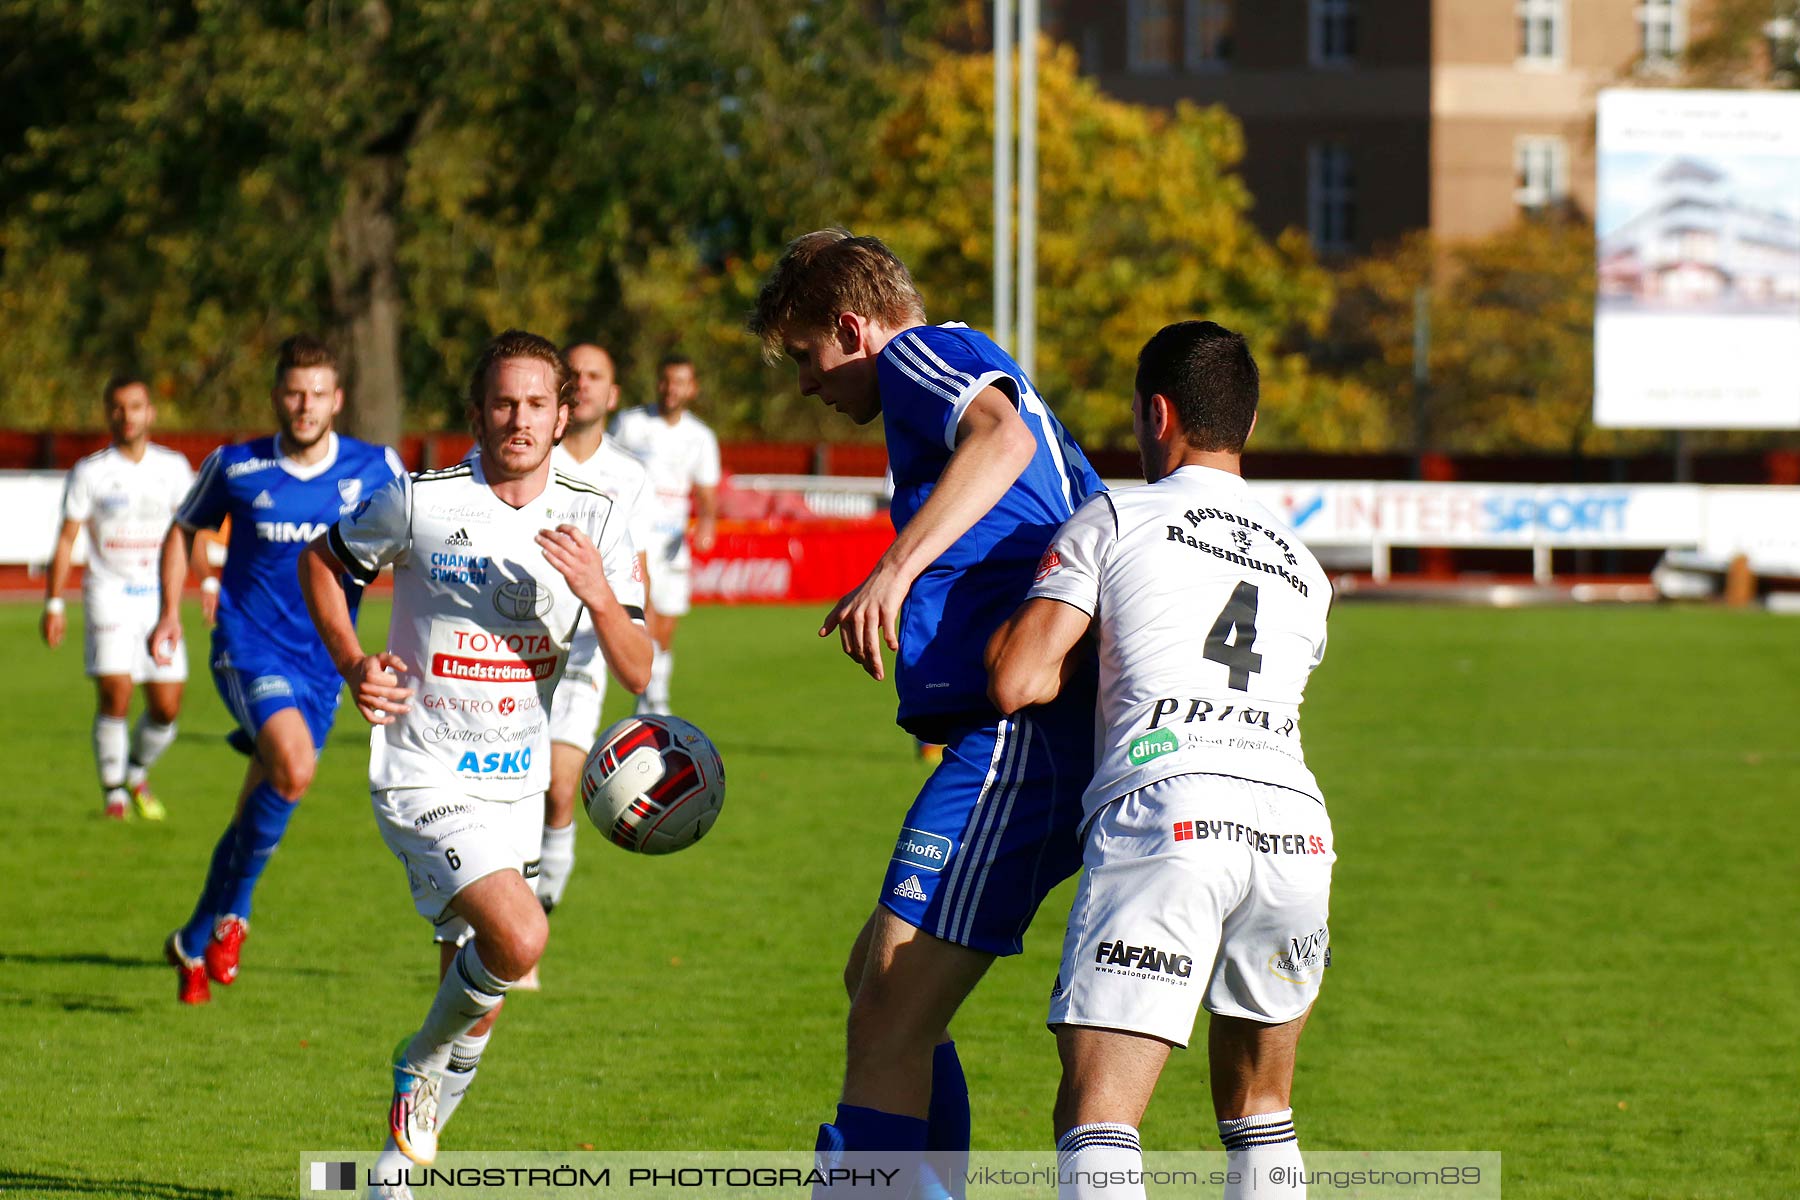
779 562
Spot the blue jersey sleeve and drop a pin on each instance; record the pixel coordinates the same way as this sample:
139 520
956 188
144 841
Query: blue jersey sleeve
929 376
208 502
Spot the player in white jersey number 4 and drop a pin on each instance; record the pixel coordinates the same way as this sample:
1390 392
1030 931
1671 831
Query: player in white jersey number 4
1208 850
496 560
125 495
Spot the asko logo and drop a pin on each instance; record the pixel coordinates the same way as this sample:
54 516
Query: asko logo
514 762
289 531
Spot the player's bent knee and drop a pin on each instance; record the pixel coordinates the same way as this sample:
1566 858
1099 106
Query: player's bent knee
512 946
291 775
884 1019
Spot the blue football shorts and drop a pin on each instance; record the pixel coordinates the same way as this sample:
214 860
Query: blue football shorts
253 694
995 828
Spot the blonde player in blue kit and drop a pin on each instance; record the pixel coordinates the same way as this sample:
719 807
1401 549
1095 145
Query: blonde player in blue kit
983 475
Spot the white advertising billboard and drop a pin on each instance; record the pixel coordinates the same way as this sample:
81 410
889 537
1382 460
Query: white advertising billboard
1697 317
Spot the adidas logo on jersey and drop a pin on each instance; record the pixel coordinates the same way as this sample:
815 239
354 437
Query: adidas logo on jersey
263 501
459 538
909 889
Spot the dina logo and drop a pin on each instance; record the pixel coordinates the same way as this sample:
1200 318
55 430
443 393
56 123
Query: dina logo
1152 745
523 599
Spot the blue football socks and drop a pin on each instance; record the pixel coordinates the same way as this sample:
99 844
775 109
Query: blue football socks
259 829
947 1134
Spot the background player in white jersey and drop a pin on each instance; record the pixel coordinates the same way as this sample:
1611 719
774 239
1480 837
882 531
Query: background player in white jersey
126 495
586 455
682 457
496 560
1208 849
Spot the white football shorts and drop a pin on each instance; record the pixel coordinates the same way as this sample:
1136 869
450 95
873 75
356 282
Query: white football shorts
1200 889
575 705
447 840
671 587
119 622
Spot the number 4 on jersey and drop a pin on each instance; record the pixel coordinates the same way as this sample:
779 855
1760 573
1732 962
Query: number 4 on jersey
1231 636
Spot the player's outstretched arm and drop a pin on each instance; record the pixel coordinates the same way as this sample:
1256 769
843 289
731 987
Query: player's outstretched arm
177 546
55 622
1030 656
993 448
624 642
374 679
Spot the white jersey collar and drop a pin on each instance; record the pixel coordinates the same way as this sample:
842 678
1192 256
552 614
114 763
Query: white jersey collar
316 469
1211 477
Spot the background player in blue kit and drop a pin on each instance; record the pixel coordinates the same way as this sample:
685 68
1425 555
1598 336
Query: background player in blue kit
983 475
268 664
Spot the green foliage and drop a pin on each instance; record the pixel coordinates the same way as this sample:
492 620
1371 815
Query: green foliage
1511 353
1744 44
1141 222
175 180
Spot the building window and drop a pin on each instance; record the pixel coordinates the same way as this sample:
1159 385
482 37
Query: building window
1208 34
1330 197
1541 172
1541 31
1092 60
1150 36
1662 30
1333 33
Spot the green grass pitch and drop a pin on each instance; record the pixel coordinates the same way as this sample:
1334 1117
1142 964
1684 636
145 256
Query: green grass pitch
1563 925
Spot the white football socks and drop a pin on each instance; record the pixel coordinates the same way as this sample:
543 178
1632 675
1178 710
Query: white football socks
655 697
1089 1159
556 859
459 1073
467 993
148 741
112 741
1254 1145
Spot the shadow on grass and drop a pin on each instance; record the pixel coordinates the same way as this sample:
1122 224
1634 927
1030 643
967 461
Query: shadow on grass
68 1002
34 1183
79 960
157 962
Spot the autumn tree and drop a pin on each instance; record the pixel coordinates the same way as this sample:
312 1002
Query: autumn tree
1511 354
182 184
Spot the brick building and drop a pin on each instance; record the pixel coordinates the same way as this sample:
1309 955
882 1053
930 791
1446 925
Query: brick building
1364 119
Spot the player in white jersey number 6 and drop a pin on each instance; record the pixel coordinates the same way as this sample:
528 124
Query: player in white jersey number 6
1208 851
496 561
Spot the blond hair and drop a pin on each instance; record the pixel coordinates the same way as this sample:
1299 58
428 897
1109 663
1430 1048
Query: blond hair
825 274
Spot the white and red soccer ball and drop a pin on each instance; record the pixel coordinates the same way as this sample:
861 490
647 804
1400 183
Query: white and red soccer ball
653 784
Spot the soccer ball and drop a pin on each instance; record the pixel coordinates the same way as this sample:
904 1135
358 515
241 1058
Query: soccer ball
653 784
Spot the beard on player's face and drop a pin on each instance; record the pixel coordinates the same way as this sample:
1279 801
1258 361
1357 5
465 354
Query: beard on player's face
303 431
518 439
